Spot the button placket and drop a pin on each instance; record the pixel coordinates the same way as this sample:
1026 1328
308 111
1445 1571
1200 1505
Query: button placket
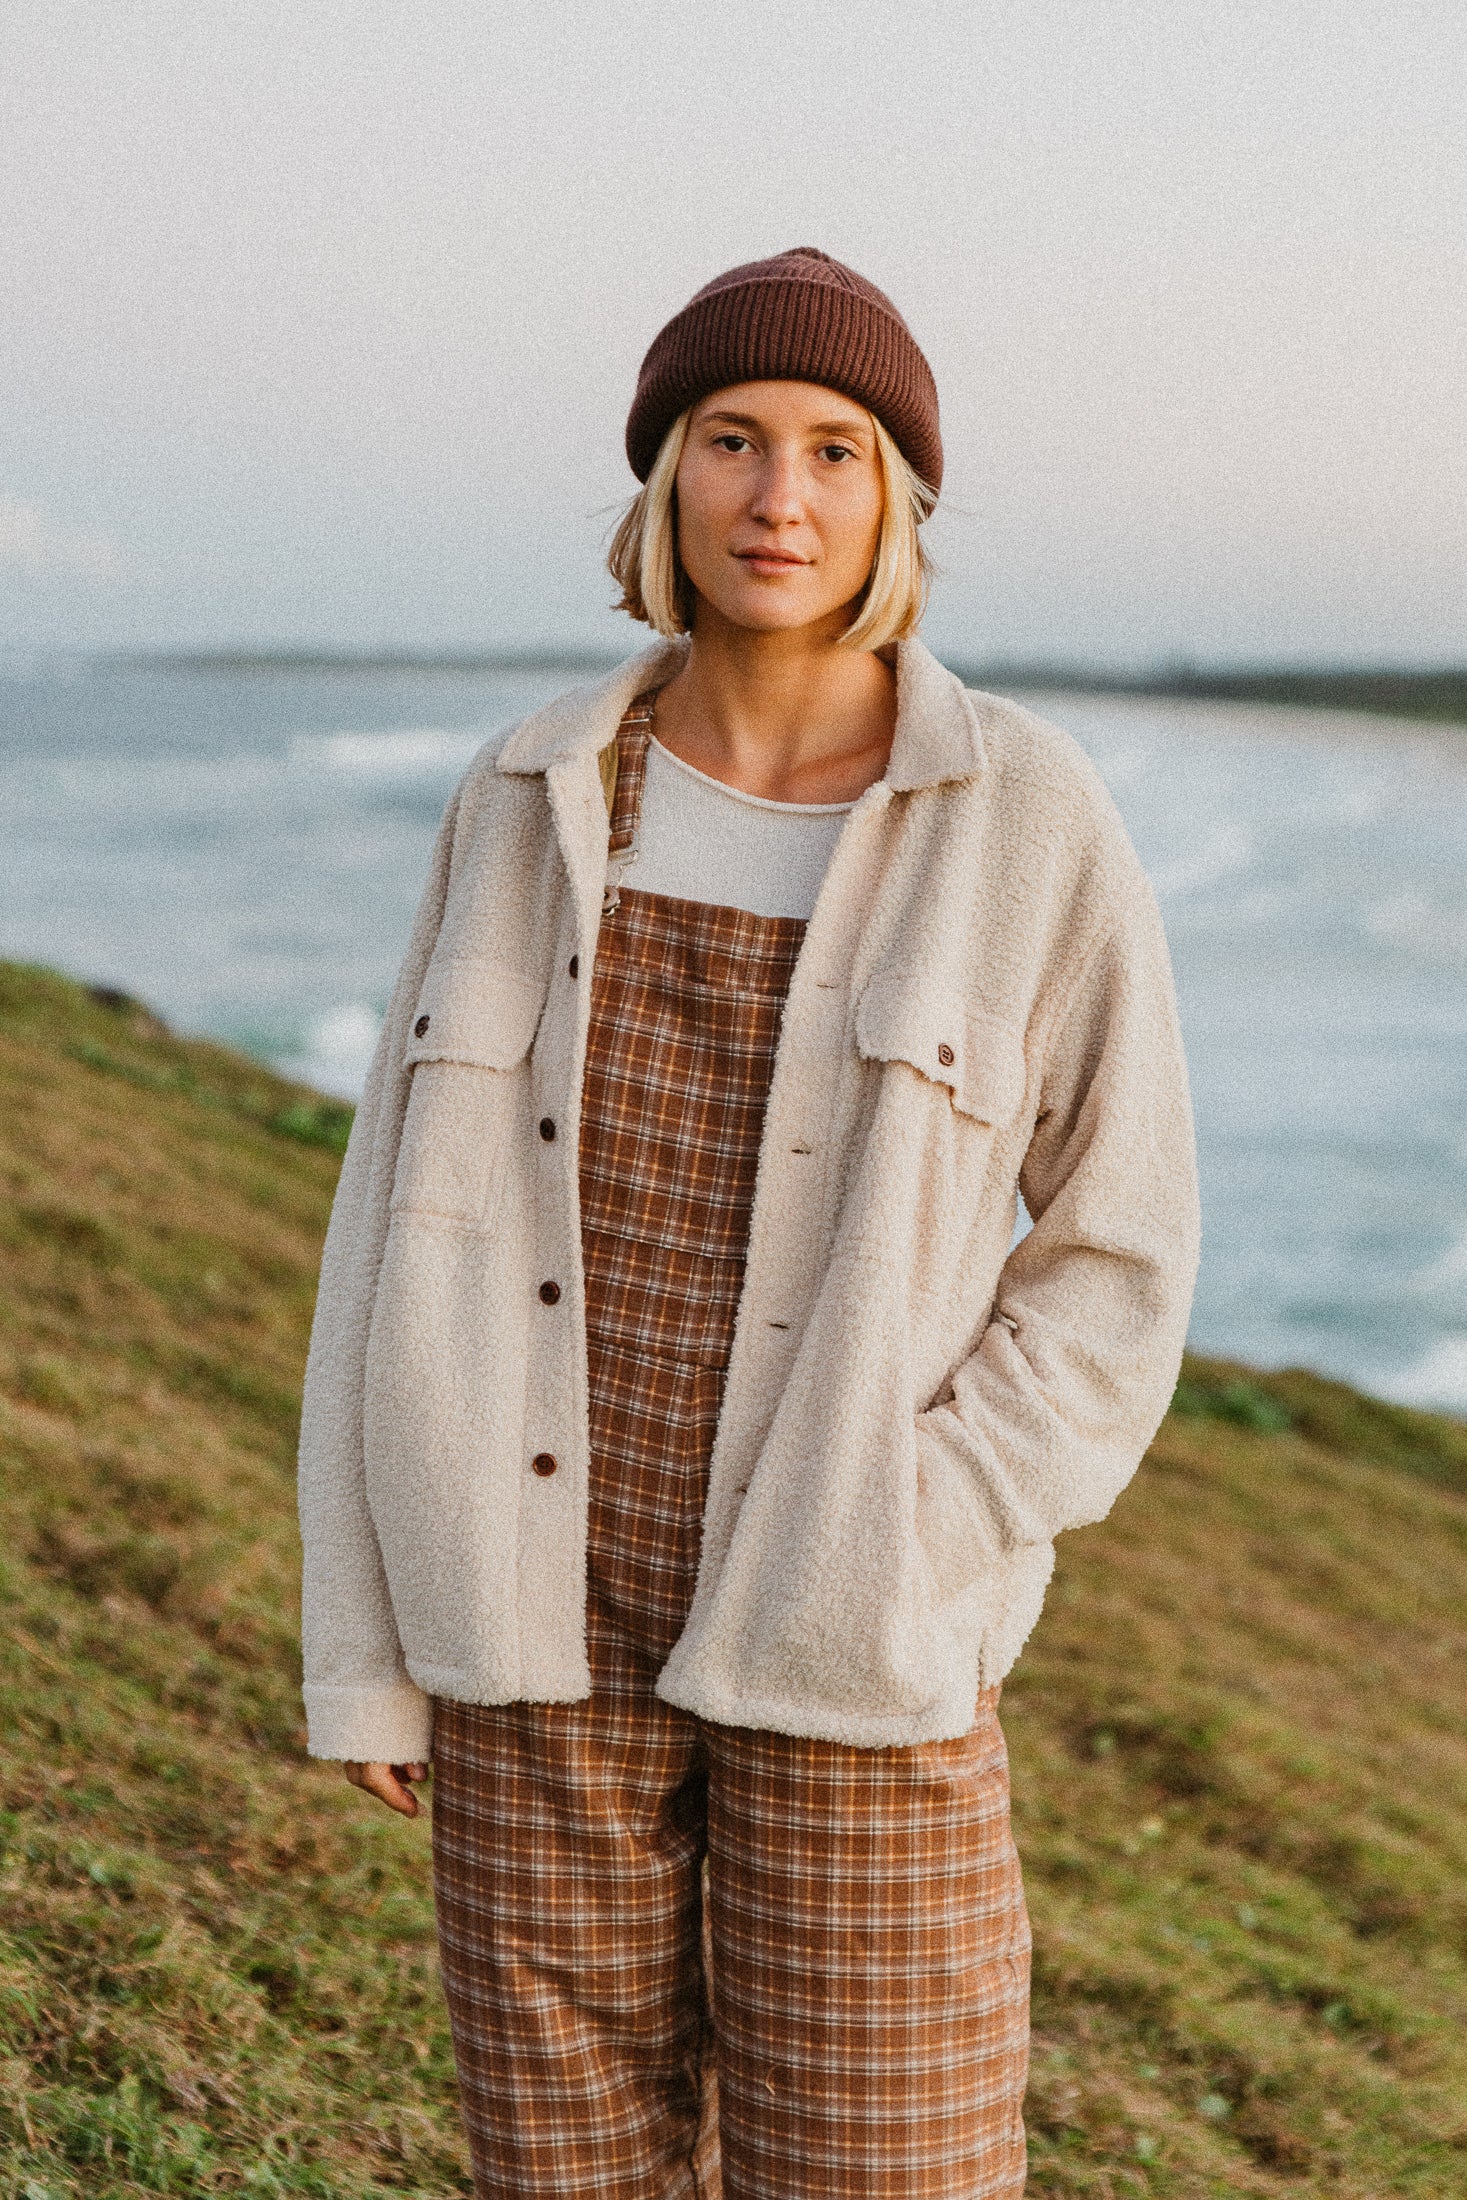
546 1343
810 1055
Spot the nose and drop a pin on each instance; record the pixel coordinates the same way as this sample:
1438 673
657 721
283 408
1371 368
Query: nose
777 494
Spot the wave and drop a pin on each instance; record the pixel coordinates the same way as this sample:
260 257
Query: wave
397 752
337 1050
1411 922
1443 1274
1223 856
1438 1379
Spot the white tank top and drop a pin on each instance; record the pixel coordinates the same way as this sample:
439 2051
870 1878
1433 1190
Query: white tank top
698 840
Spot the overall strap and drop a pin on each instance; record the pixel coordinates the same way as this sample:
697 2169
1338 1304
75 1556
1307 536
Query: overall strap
623 764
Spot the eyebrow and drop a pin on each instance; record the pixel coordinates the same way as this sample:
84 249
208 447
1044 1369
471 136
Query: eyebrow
848 426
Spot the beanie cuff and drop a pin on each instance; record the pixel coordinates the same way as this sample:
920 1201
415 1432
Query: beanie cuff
784 326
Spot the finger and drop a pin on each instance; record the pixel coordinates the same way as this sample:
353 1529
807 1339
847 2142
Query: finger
383 1782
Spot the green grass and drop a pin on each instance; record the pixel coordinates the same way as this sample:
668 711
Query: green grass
1240 1753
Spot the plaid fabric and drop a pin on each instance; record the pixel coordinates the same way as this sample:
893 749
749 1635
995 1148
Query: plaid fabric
685 1009
865 1914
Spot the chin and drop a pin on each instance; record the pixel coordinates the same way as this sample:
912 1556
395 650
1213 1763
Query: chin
760 614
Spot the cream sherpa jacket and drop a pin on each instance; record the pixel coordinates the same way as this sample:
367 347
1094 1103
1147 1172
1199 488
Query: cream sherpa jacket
913 1410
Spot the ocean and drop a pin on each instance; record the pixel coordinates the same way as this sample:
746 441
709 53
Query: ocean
243 849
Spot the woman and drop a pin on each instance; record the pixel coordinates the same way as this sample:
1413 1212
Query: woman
685 1436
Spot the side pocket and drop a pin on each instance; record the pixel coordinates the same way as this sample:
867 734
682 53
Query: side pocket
950 1525
473 1026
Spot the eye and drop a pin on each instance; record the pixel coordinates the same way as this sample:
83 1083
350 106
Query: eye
836 452
732 441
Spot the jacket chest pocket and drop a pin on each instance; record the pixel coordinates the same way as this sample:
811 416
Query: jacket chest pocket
472 1029
977 1059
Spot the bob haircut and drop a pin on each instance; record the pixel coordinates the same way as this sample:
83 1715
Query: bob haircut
654 588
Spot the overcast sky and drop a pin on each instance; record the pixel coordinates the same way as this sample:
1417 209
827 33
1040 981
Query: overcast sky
321 321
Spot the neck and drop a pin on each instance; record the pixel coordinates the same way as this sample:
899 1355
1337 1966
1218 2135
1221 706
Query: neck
791 716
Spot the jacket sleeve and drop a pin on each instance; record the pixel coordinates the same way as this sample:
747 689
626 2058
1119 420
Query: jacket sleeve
360 1703
1051 1414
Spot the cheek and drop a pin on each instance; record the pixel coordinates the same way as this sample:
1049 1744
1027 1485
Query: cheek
700 513
857 529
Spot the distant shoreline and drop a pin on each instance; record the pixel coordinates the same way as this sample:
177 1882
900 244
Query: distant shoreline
366 660
1437 696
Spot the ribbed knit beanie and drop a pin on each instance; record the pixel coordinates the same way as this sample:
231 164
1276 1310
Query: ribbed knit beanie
800 317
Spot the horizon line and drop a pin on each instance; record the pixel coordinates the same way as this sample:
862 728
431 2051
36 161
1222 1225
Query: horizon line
1437 693
1174 666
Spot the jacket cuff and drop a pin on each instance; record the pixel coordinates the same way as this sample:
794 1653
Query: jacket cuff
390 1725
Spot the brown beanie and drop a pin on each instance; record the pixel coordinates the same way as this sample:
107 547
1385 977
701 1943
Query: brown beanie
800 317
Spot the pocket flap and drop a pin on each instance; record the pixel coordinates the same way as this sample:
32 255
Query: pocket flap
979 1059
472 1010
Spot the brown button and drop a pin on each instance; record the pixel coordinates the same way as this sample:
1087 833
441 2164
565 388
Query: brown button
945 1055
420 1027
544 1462
547 1128
574 966
549 1293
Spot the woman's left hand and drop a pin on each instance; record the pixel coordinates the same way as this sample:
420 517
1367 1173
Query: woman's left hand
389 1783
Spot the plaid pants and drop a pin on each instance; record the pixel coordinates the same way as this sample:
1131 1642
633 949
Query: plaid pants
862 1914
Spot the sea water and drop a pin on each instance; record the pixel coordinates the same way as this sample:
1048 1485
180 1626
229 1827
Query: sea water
244 850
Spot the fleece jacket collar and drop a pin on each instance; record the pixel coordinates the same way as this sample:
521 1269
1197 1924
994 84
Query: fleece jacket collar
938 736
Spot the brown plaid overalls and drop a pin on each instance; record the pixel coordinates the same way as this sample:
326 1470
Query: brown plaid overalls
869 2027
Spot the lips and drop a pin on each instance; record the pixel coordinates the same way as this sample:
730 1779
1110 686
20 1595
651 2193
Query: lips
771 561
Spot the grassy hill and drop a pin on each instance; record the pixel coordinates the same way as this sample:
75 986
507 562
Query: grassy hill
1240 1750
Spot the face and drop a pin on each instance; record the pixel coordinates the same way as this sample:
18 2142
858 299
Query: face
779 500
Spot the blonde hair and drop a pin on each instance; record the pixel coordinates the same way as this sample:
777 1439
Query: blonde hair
654 588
